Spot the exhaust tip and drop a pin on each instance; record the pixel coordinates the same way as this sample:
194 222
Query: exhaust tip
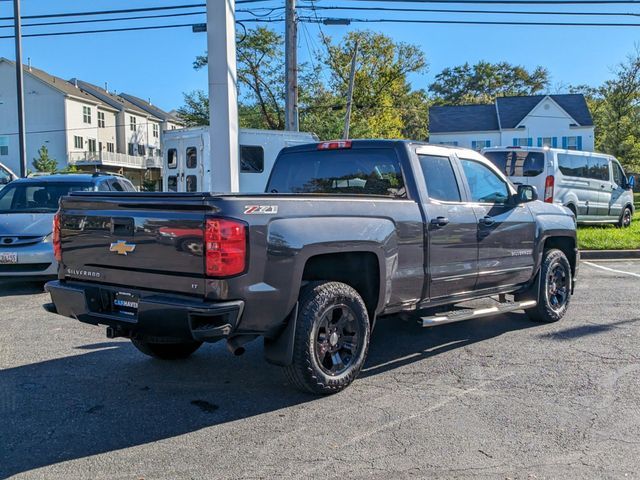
236 344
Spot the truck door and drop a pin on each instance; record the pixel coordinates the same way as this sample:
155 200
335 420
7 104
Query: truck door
618 199
505 232
451 230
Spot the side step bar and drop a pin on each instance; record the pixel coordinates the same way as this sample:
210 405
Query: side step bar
469 313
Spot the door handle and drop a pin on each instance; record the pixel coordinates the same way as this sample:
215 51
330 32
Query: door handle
486 221
439 221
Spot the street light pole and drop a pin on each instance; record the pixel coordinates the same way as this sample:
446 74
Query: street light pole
22 140
352 79
223 95
291 65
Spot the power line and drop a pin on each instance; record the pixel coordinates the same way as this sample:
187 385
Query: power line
514 2
117 19
439 10
132 29
466 22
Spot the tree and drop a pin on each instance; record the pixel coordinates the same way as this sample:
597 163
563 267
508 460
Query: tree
195 111
44 163
385 106
484 81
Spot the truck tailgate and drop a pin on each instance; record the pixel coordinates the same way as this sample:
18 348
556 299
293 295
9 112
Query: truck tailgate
151 241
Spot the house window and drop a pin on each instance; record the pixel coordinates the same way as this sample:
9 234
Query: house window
132 124
480 144
572 143
92 144
130 149
548 142
4 146
523 142
156 130
100 119
141 150
151 151
110 147
86 115
78 142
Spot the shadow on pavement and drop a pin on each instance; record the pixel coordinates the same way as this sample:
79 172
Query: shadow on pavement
20 287
584 330
107 396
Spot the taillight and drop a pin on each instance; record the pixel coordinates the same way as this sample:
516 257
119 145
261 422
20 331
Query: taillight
334 145
226 247
548 189
57 248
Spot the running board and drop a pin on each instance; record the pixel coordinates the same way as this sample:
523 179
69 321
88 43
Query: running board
468 314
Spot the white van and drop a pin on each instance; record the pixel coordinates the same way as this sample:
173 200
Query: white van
6 176
592 185
187 159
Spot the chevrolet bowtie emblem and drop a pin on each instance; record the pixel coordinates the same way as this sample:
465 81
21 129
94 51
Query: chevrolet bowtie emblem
121 247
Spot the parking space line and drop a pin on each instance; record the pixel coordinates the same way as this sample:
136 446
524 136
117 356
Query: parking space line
611 269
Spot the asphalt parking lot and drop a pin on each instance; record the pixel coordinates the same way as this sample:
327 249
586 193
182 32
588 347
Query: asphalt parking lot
493 398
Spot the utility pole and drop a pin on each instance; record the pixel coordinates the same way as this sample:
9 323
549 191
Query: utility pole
223 96
22 139
352 79
291 65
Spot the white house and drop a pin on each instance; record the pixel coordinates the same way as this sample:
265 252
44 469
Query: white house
80 124
538 120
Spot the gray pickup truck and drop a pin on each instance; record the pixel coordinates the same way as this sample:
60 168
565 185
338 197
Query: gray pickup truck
347 233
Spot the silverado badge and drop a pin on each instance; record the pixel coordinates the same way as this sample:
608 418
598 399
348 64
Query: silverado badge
121 247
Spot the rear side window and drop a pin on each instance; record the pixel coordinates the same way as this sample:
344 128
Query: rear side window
439 177
358 171
518 163
251 159
192 157
583 166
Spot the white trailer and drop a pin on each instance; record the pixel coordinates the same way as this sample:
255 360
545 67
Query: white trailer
187 163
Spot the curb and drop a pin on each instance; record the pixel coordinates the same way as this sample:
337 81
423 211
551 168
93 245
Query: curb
609 254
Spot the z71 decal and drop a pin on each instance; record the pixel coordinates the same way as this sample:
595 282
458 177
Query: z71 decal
260 209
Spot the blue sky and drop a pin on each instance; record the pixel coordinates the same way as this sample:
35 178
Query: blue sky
158 64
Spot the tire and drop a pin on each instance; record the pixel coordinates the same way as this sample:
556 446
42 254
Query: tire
554 294
324 361
166 351
625 218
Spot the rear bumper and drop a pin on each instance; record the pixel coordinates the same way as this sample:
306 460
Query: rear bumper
165 316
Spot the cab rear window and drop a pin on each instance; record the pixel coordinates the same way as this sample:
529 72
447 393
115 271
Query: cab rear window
518 163
358 171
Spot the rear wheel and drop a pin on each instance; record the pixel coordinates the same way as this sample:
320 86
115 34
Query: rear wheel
332 338
625 218
166 351
554 292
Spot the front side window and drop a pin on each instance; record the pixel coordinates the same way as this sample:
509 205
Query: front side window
86 115
5 177
78 142
439 177
192 157
485 185
618 175
251 159
172 158
132 124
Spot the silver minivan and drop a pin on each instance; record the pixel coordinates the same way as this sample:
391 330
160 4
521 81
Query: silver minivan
592 185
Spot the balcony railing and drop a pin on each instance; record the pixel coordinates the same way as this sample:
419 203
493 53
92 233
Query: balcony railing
107 158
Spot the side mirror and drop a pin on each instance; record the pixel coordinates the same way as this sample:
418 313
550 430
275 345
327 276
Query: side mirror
526 193
631 182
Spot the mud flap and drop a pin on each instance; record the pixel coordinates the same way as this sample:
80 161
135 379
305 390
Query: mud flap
279 350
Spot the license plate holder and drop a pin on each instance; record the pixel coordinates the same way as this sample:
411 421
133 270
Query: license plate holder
126 303
8 258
